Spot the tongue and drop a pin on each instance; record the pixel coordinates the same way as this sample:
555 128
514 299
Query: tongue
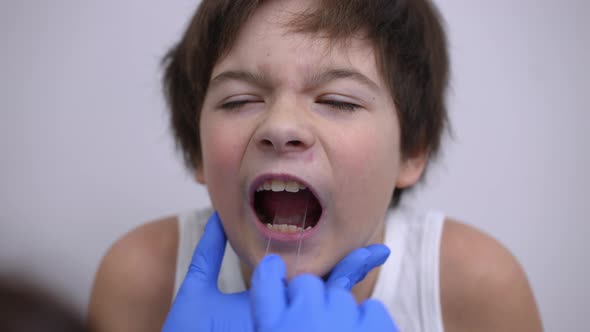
285 207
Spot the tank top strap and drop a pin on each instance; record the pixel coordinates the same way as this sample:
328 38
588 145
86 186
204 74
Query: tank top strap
408 282
191 226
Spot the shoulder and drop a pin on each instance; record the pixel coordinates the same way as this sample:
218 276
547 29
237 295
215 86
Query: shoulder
483 287
133 286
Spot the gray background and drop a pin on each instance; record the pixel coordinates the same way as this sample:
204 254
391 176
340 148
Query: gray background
86 154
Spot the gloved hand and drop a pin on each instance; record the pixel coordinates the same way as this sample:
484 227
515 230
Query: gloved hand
201 306
308 304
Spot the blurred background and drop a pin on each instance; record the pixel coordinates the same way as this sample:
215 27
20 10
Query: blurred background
86 154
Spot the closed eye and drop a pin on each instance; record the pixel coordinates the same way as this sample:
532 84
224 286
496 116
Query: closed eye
232 105
339 105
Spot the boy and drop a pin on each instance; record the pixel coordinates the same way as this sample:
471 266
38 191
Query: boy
306 120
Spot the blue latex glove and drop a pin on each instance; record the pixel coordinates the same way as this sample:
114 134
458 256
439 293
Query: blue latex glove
201 306
308 304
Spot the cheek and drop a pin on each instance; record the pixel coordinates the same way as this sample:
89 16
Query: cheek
222 144
365 172
371 161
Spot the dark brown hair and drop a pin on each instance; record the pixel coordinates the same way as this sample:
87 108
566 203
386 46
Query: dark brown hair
410 46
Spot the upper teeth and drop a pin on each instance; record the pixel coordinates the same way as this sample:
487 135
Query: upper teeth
280 185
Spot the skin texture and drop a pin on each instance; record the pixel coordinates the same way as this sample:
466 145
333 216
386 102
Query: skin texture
483 287
285 123
134 283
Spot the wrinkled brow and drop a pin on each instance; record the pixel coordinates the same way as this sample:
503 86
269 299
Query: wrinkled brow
331 74
317 79
243 76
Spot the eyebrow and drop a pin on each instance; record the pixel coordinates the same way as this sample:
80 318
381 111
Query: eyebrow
240 75
315 80
329 75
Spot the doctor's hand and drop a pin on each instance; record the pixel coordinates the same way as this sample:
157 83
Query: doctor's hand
306 303
201 306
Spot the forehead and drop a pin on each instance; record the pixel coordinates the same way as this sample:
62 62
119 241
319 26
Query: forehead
265 44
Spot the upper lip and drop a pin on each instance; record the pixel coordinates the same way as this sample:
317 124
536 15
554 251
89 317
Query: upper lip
284 177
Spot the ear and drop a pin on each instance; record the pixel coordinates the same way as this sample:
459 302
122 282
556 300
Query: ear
411 170
200 175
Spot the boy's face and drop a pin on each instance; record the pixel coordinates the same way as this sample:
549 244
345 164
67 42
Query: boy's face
280 106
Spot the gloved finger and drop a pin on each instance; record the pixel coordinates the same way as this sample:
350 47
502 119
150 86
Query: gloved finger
267 292
207 257
306 292
375 312
345 301
355 266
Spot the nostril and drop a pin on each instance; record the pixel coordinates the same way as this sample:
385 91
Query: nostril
294 144
289 144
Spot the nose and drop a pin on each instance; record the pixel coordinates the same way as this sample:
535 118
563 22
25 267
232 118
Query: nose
284 129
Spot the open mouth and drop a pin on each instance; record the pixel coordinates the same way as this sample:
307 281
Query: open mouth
286 206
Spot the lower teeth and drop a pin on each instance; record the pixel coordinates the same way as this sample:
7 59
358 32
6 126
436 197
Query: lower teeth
286 228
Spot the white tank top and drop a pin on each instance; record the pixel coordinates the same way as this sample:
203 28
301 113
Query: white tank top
408 282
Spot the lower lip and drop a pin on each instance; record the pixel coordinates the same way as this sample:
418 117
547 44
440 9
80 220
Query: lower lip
282 236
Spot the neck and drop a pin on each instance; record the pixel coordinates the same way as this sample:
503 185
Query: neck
361 291
364 289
